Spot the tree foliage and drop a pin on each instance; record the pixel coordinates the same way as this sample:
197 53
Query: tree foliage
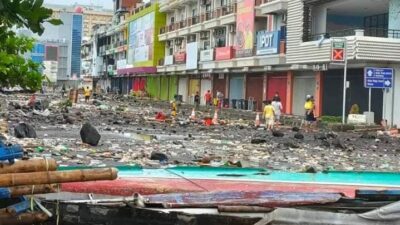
15 70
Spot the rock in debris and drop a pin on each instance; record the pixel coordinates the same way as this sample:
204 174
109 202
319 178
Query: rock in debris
331 135
159 156
258 141
338 143
295 129
277 133
291 144
299 136
90 135
325 143
367 135
310 169
24 130
320 136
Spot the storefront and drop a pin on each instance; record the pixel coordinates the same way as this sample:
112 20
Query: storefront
153 86
304 83
254 91
356 94
194 87
139 84
205 85
236 90
277 83
183 88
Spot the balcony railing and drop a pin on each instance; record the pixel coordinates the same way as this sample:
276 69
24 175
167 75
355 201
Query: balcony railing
190 21
260 2
369 32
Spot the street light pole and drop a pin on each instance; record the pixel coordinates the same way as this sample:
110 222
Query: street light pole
344 83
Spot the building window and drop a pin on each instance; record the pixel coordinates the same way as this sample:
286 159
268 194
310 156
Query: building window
76 44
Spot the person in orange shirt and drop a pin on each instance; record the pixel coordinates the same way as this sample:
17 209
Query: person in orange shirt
208 98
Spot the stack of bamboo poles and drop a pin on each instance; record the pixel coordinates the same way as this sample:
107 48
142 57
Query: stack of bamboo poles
38 176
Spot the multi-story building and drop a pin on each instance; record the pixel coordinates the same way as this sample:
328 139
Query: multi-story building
225 46
92 15
252 49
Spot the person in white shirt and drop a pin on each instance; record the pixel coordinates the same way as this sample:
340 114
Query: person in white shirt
276 103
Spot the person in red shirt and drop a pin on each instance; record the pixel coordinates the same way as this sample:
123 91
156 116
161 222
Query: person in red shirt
208 97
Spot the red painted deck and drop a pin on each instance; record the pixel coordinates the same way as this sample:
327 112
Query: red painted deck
148 186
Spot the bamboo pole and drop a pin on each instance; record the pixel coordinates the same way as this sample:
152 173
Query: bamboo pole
23 219
31 190
28 166
55 177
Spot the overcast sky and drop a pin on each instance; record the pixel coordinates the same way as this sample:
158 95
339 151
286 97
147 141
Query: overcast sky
106 3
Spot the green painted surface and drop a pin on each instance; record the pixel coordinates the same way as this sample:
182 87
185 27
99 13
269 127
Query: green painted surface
153 86
262 175
164 87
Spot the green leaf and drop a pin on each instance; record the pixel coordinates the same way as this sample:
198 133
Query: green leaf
55 22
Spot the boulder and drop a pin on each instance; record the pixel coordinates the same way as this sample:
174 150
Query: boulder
24 130
295 129
338 143
291 144
299 136
277 133
90 135
320 136
159 156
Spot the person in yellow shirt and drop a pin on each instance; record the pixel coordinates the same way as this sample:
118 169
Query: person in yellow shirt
86 93
269 115
309 107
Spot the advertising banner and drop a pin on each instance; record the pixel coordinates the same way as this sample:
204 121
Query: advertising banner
224 53
141 39
245 28
207 55
268 42
192 56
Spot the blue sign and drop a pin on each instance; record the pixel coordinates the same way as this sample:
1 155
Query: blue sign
268 42
378 77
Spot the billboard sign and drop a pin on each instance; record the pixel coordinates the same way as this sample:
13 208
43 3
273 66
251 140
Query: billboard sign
141 39
378 77
207 55
245 28
192 55
268 42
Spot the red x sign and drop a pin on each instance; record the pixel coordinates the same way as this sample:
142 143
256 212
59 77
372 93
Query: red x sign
338 54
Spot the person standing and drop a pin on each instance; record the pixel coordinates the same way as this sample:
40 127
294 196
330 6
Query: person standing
63 90
197 100
276 103
87 94
220 97
208 98
269 115
309 107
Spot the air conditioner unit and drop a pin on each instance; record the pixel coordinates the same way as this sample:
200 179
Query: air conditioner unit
284 18
232 28
178 41
204 35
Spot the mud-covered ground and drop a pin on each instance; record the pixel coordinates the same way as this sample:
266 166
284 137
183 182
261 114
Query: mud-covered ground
129 135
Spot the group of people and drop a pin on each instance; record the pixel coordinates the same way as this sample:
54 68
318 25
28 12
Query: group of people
273 109
209 100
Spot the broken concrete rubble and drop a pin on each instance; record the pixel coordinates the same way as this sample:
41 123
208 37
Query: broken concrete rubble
131 135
